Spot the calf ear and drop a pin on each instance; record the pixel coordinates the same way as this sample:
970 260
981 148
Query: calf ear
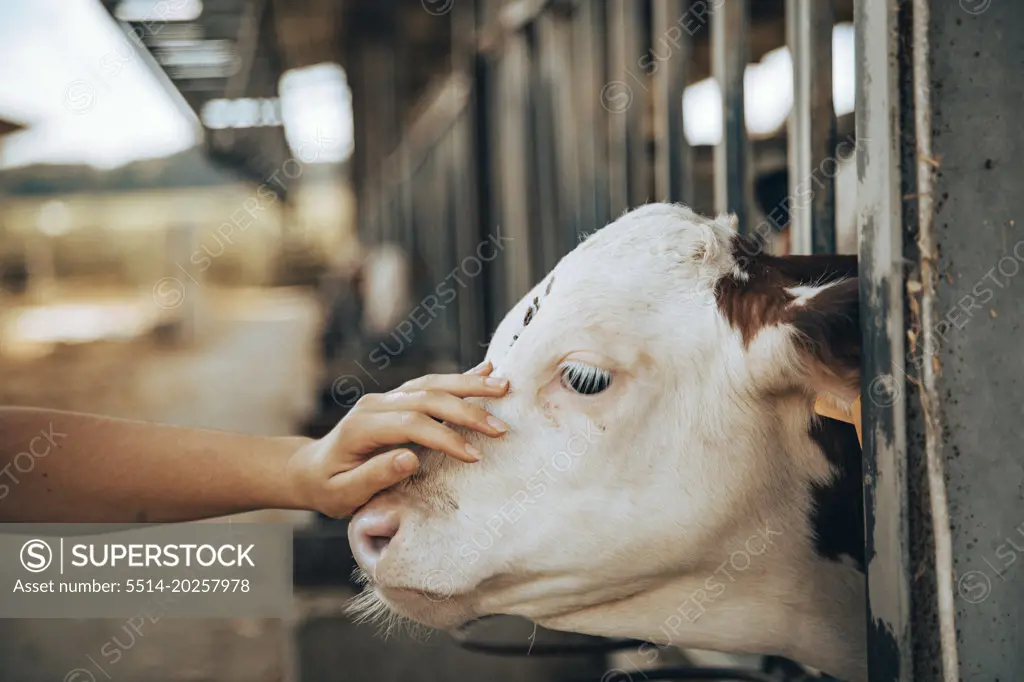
814 296
827 324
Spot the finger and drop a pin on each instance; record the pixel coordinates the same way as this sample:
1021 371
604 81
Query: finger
355 487
446 407
483 369
461 385
379 429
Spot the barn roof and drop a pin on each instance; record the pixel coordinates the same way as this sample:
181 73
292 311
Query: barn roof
407 45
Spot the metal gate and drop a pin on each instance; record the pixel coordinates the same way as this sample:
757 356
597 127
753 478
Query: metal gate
550 123
557 116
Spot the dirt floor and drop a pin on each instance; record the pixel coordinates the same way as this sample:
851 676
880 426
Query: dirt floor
251 369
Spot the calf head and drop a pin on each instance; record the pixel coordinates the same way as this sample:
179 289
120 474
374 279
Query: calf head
664 476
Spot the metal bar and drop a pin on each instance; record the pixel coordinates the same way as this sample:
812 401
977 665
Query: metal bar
729 48
823 126
567 120
591 138
487 316
443 342
930 403
637 43
544 148
812 127
376 127
511 165
470 307
617 97
669 64
883 375
585 100
555 48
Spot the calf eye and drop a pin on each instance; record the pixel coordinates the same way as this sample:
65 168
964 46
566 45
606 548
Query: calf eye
585 379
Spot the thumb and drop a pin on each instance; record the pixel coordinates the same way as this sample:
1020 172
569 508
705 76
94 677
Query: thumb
356 486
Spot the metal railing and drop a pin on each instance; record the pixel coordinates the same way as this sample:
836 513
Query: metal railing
561 115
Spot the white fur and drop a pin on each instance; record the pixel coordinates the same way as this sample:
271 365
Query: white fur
604 514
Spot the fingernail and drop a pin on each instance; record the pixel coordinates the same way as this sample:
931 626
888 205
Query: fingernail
473 452
496 423
497 382
406 462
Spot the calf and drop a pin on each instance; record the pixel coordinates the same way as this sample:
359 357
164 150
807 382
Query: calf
665 477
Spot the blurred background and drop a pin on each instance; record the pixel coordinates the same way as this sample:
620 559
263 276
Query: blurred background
242 214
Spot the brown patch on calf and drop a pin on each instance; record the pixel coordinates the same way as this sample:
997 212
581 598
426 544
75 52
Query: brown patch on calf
759 298
528 318
828 323
532 310
753 304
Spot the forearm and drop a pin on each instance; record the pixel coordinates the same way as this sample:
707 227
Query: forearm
69 467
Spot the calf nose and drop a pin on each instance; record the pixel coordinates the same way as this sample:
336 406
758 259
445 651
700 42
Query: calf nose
369 533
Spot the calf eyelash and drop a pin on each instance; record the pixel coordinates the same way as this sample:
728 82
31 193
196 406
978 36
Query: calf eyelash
584 379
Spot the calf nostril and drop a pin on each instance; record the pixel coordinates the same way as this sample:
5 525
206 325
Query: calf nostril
379 542
371 532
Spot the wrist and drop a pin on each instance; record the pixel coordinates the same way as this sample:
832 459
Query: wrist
287 486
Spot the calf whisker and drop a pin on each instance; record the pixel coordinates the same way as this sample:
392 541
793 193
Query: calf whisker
368 607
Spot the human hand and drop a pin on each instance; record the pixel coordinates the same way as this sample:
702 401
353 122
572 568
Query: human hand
341 472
